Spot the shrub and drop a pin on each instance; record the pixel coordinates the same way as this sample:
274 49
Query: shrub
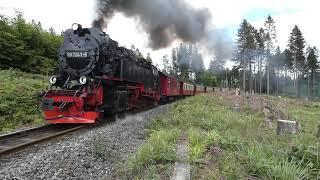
19 102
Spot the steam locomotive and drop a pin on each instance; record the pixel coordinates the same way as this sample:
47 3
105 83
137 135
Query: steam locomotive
96 78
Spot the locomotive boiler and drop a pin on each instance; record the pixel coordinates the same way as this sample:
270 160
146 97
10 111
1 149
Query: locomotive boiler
95 77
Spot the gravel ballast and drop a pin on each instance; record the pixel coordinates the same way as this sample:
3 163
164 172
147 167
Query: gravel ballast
88 154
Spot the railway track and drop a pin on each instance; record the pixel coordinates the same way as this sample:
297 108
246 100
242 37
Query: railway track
15 141
18 140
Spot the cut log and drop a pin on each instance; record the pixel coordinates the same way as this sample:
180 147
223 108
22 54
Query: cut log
286 127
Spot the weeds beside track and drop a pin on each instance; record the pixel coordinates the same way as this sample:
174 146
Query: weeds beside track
227 143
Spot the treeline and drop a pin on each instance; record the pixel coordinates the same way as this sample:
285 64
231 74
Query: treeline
186 63
261 66
27 46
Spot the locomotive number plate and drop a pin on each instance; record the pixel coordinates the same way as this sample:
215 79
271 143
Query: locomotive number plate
77 54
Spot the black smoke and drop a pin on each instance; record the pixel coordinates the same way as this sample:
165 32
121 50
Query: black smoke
163 20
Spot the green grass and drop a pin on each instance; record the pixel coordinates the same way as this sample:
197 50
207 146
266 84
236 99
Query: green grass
18 99
199 142
248 147
158 152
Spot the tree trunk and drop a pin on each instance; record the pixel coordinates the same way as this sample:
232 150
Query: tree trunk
277 80
285 80
250 76
309 86
255 83
260 76
268 79
313 83
244 80
295 77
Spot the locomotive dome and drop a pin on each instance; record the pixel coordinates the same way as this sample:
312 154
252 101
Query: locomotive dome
79 53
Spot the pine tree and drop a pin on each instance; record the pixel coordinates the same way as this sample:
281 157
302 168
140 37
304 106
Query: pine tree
174 60
271 40
196 60
245 50
183 59
277 64
211 66
217 69
166 65
260 41
313 67
296 47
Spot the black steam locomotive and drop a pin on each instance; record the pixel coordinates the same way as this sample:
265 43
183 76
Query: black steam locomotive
102 76
96 77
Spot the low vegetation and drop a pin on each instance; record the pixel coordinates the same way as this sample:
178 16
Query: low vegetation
155 156
232 144
18 97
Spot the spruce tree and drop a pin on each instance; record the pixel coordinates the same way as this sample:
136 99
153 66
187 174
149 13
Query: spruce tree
271 40
260 41
245 50
174 61
313 67
166 65
296 47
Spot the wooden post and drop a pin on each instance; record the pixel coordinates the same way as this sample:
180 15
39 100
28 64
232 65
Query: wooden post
286 127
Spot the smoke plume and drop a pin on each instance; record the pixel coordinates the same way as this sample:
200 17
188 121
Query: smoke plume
163 20
220 44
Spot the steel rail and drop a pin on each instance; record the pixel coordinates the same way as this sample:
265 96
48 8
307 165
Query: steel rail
13 142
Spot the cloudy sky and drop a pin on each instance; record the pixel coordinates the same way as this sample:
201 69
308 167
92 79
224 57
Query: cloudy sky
227 15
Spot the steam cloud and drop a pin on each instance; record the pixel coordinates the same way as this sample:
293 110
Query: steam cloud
220 43
163 20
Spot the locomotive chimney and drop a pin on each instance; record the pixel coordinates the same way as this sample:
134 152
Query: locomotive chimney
77 28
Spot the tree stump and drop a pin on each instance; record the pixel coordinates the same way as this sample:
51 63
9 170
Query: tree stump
286 127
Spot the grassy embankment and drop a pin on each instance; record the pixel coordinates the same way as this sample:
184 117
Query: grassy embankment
18 99
230 144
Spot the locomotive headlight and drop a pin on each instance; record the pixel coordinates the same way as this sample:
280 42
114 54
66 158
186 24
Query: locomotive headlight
53 79
83 80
